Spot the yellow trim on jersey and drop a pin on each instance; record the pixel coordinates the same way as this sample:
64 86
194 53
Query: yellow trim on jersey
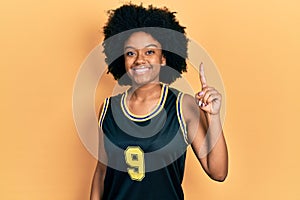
180 117
103 112
141 118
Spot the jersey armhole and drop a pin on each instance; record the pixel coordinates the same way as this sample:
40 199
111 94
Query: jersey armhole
103 112
180 117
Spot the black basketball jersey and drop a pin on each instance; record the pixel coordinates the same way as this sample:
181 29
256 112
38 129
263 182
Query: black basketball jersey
146 154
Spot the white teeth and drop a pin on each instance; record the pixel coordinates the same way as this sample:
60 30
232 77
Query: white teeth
141 69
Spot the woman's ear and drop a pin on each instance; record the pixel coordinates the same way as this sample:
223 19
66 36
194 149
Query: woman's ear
163 61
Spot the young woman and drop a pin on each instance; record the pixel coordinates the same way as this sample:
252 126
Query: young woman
144 132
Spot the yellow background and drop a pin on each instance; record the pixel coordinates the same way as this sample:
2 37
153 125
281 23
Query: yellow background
255 45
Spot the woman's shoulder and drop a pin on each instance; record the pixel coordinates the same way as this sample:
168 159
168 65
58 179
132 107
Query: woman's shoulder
186 96
116 96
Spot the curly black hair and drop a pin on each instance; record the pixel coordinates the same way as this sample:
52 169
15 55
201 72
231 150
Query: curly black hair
160 23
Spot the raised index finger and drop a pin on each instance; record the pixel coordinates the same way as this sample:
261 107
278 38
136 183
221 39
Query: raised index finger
202 76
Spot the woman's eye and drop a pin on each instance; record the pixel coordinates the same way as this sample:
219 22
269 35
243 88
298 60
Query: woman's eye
129 53
149 52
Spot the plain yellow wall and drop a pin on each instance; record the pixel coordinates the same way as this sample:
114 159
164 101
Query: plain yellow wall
255 45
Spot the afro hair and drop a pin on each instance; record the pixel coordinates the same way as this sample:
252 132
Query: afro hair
160 23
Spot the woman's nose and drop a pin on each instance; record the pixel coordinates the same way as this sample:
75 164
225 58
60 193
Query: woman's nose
140 59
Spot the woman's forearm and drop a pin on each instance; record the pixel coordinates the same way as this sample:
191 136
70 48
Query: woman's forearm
217 154
98 182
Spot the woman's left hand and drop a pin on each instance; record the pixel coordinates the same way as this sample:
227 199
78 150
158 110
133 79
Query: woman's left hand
208 99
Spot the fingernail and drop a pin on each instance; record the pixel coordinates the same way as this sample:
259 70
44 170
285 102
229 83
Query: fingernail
199 103
201 93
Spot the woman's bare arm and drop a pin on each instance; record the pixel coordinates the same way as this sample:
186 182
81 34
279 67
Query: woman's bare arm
205 132
97 186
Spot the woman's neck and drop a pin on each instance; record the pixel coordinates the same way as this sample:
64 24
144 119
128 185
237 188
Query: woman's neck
145 92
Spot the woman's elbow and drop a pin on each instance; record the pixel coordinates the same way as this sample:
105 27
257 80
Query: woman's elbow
220 177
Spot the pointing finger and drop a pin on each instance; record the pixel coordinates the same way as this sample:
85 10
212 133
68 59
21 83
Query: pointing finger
202 76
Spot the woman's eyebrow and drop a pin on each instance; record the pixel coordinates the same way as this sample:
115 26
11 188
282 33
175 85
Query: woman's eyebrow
129 47
149 45
152 45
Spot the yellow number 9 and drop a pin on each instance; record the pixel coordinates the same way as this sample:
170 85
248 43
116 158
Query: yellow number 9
134 157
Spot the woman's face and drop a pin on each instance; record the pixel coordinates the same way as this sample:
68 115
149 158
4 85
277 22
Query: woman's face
143 58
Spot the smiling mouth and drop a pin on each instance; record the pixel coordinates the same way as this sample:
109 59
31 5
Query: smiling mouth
141 69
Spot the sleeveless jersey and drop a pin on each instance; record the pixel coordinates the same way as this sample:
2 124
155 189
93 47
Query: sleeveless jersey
146 154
